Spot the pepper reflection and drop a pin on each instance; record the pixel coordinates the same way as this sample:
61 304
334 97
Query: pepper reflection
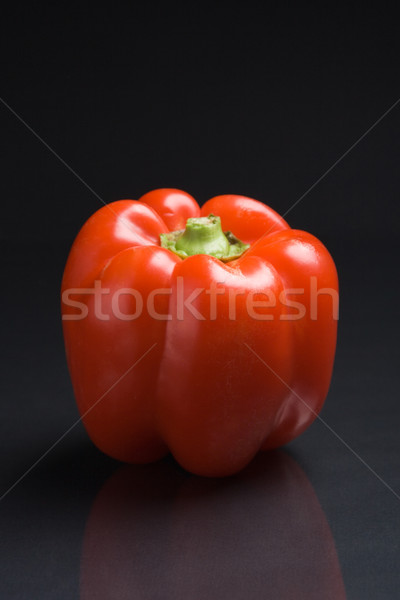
158 532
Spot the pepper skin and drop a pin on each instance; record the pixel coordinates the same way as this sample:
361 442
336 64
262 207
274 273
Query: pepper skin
210 360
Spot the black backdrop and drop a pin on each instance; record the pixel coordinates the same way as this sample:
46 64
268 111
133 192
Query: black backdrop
259 99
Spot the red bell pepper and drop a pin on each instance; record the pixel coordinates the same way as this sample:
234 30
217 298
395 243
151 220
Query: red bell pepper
182 338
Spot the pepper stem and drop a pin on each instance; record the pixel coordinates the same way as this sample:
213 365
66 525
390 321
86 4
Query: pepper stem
204 235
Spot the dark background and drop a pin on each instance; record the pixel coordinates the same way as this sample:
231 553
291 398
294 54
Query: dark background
259 99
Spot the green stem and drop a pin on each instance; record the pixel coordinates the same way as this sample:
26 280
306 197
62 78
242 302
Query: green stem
204 235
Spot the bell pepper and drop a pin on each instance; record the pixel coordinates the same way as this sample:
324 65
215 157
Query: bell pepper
206 332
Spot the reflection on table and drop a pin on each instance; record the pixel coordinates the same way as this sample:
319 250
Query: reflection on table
157 532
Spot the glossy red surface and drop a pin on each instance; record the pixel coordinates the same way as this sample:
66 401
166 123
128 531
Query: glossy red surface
208 360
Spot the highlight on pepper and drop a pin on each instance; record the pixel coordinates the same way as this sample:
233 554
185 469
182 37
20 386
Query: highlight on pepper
206 332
